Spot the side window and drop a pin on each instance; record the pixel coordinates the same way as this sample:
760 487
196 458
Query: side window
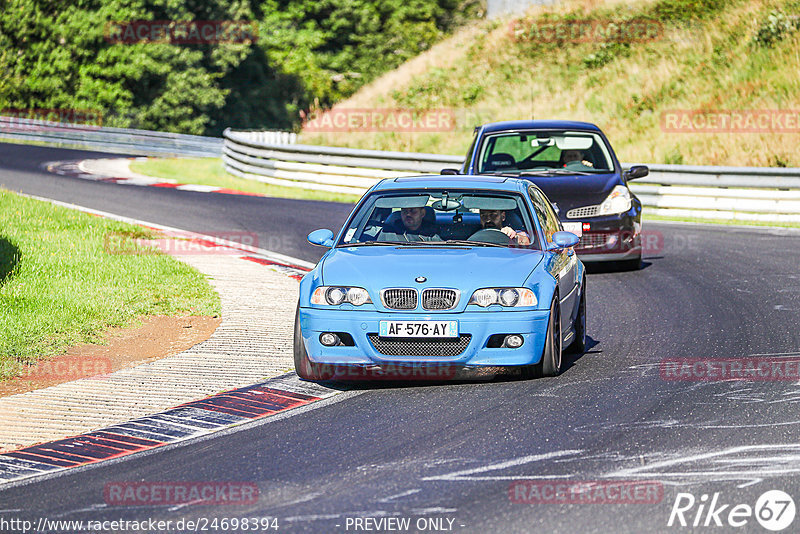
545 213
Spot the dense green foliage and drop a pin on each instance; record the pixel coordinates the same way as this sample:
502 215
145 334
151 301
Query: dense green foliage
55 55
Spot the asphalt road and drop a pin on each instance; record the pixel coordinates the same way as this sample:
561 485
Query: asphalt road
281 225
436 453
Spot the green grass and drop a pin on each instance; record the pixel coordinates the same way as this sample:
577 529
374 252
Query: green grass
210 171
60 286
728 222
708 55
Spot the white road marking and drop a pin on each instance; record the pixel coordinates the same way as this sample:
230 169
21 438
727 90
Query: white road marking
273 256
404 494
467 474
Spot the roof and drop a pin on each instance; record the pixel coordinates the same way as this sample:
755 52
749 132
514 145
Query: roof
539 125
498 183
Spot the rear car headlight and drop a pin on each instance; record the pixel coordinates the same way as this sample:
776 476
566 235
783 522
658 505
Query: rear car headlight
335 295
619 201
508 297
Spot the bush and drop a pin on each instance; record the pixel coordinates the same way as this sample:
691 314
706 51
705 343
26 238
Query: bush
776 27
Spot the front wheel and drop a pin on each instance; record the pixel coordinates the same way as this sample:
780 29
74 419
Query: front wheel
579 344
306 369
550 364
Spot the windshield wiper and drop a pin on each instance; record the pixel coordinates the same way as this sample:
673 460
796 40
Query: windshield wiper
472 243
555 172
374 243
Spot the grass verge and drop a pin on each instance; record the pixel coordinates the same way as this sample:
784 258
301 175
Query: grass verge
705 56
59 286
725 222
210 171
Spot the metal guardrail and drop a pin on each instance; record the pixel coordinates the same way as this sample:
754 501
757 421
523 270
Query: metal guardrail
105 139
734 193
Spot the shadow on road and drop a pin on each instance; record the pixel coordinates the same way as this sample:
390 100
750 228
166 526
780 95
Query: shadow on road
616 267
9 258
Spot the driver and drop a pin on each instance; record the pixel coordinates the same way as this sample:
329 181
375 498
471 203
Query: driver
495 219
411 226
574 156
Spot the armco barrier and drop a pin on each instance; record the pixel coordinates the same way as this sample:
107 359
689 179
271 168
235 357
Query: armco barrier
104 139
733 193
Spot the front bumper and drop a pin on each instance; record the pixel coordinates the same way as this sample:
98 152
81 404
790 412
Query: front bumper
480 326
610 238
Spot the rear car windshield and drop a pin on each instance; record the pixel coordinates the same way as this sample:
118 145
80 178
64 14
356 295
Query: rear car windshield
544 150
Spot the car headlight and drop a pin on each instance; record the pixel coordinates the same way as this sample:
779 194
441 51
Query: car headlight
335 295
619 201
508 297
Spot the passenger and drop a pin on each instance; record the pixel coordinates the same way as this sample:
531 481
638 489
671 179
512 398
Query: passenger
413 224
495 219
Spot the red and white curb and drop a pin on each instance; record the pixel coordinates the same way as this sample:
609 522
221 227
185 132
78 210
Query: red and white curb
78 169
184 422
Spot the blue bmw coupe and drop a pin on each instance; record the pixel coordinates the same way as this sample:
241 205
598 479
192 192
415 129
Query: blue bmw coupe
432 274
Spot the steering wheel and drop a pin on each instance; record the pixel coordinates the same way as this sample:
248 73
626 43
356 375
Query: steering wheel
490 235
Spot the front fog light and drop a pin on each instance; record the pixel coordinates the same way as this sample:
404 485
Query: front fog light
329 339
513 341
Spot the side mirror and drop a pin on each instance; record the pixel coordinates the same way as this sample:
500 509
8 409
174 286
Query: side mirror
564 240
449 171
637 171
321 238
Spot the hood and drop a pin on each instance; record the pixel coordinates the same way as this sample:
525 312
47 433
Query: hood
467 269
576 191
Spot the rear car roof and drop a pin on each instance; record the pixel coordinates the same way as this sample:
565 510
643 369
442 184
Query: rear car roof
538 125
498 183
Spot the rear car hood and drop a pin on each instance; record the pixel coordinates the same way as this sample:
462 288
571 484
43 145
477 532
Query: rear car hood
576 191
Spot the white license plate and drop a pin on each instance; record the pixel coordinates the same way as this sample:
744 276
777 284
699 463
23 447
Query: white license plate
574 227
419 328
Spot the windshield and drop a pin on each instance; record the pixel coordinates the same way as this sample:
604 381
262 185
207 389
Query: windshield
442 218
544 152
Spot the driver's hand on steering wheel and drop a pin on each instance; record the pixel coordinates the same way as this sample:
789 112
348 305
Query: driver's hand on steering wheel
521 237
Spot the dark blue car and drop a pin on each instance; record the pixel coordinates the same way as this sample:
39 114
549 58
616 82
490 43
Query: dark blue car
574 164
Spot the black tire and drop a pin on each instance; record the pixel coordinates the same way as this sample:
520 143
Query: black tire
305 368
578 345
550 364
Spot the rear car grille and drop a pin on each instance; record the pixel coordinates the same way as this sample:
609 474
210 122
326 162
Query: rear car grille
593 240
419 346
586 211
439 299
399 299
